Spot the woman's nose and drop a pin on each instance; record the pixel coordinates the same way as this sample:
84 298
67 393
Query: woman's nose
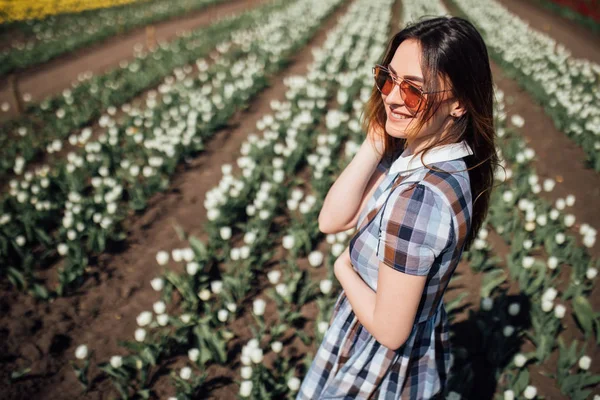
394 97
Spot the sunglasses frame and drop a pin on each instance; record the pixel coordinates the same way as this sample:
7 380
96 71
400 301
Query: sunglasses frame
397 81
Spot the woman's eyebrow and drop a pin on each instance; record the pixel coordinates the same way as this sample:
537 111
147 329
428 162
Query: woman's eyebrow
410 77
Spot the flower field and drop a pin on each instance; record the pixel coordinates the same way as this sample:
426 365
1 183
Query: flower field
158 222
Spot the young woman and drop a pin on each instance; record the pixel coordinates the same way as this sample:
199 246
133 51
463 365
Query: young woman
414 212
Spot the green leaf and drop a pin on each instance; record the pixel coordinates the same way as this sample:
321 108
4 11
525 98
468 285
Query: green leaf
492 280
584 314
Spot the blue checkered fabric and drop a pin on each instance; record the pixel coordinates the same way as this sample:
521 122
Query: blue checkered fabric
416 222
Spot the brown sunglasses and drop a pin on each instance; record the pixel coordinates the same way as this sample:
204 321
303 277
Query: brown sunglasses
411 94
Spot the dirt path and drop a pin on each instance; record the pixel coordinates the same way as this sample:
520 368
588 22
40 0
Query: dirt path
52 77
105 311
582 42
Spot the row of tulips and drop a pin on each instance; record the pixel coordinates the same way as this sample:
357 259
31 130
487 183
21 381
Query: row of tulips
44 126
531 228
75 208
29 10
564 85
42 40
244 208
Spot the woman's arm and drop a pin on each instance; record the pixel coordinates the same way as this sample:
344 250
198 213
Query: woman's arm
352 189
388 314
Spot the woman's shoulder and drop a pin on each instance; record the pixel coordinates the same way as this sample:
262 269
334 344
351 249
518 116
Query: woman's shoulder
449 181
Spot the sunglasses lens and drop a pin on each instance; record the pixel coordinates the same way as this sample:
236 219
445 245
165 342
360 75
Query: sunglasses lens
383 80
411 95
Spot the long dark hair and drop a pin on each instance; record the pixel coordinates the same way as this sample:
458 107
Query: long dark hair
453 51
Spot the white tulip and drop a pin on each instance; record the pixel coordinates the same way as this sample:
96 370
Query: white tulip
322 326
508 330
232 307
507 196
325 286
225 233
288 242
188 254
159 307
487 303
193 354
528 262
274 276
177 255
514 308
337 249
192 268
330 238
552 262
569 220
589 241
559 311
162 319
585 362
281 289
246 372
144 318
62 249
259 307
520 360
216 286
246 388
140 334
185 373
315 258
560 238
249 237
256 355
549 184
560 204
591 273
204 294
547 305
244 252
20 240
81 352
509 395
222 315
116 361
550 294
185 318
570 200
530 392
162 257
276 346
293 383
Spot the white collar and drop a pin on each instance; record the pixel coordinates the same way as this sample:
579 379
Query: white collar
445 152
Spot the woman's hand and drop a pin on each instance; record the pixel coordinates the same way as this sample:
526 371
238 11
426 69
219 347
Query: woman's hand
343 262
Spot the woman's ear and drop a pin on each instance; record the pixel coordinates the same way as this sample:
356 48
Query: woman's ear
457 110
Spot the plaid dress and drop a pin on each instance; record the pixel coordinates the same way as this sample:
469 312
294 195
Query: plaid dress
415 222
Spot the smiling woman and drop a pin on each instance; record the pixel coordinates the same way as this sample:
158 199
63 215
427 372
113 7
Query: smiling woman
430 149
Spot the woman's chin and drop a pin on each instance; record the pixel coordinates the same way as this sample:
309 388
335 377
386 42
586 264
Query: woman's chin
395 129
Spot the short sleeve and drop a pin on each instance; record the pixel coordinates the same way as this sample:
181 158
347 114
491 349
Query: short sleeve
416 226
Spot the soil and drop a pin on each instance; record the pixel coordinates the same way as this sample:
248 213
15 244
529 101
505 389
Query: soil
44 336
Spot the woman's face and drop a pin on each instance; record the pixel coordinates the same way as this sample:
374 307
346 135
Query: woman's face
406 63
